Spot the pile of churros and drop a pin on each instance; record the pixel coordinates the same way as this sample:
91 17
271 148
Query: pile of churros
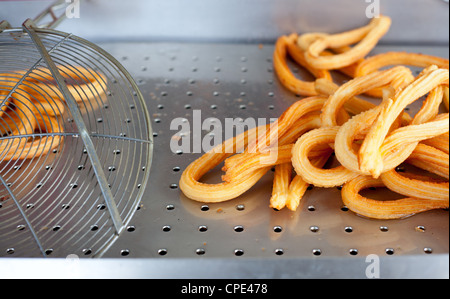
370 141
30 116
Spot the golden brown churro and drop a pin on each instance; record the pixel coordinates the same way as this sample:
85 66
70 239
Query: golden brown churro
37 105
370 155
370 141
281 181
384 209
287 45
366 38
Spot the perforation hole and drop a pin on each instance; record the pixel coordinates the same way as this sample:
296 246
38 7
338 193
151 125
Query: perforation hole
240 207
420 228
428 250
101 206
384 229
314 229
277 229
311 208
202 228
389 251
238 228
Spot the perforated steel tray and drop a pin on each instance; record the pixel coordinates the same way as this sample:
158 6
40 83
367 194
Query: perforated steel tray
237 81
171 236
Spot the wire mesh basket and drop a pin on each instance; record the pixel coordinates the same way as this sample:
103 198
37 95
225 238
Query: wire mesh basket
75 145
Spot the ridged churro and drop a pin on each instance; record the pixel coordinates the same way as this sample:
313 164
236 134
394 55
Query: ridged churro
370 141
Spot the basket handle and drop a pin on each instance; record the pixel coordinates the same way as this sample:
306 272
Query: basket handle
56 12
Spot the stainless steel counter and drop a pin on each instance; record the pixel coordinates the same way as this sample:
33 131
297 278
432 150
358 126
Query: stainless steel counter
189 59
172 236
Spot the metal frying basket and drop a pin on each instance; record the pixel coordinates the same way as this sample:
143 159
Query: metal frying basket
76 144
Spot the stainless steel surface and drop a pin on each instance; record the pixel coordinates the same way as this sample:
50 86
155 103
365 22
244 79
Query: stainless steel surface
415 21
171 236
77 198
215 57
237 81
